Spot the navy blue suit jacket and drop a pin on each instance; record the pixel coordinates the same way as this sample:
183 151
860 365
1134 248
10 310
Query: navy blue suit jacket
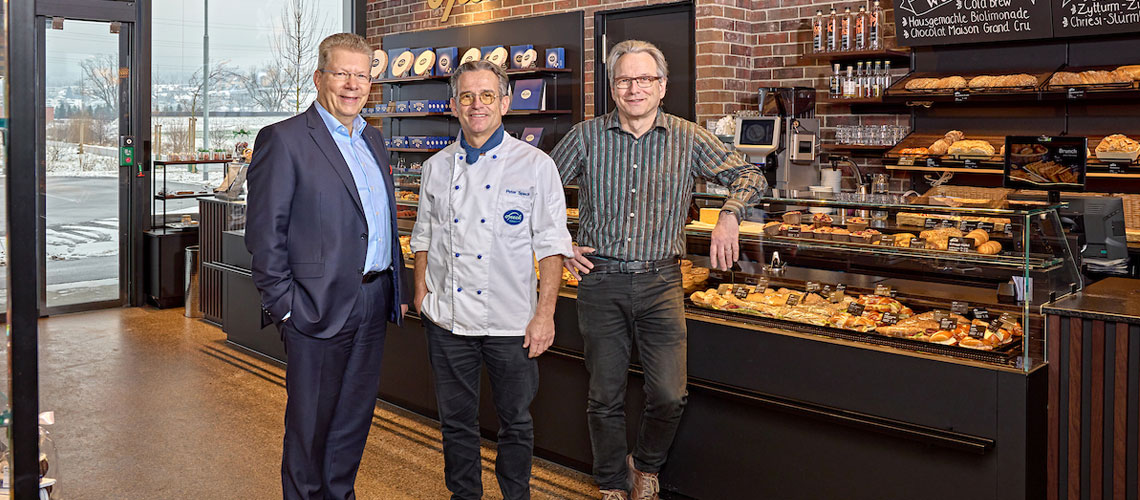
305 225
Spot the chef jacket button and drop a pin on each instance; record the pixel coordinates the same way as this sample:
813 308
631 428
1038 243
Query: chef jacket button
457 188
457 254
460 289
494 157
482 221
478 256
456 220
478 292
488 186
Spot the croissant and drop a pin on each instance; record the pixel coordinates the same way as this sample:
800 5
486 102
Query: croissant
989 248
940 146
980 236
955 136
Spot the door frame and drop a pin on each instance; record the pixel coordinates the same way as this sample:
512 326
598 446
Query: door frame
134 120
602 84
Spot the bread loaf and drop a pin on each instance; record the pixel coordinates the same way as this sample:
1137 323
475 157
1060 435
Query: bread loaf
971 148
1117 143
951 82
1133 71
920 83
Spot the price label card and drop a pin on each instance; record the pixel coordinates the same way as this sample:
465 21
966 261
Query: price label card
793 299
882 290
1006 320
968 225
889 318
931 223
842 287
981 314
933 162
887 241
946 223
836 296
940 315
947 324
918 243
959 307
794 231
1076 93
960 96
986 226
906 161
855 309
826 292
894 294
977 331
1115 168
812 287
994 325
761 285
970 163
740 291
750 280
960 244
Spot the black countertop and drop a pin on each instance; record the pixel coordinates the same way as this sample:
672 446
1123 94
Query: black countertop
1111 299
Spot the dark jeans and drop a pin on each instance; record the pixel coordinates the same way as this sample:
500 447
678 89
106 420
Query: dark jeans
332 386
457 363
615 310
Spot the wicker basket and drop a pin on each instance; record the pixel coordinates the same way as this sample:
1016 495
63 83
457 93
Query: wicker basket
996 196
1131 210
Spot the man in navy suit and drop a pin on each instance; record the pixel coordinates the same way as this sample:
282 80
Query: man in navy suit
326 259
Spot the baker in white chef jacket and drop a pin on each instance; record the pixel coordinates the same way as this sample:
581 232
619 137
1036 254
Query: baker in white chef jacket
490 206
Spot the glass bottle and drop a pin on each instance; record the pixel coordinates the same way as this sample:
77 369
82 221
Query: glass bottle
861 28
875 27
817 37
886 77
860 79
832 31
845 30
836 90
877 81
849 85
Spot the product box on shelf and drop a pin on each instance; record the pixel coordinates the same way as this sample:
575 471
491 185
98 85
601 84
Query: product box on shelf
438 106
381 108
529 95
399 141
418 106
400 62
472 54
523 56
445 60
556 58
532 136
496 54
417 142
402 107
424 61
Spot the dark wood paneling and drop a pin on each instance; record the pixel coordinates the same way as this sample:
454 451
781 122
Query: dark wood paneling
1096 412
1076 334
1053 340
1119 422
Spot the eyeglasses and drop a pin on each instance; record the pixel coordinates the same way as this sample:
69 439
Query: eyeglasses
343 76
642 81
487 97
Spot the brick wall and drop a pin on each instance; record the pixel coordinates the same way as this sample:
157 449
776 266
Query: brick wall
741 45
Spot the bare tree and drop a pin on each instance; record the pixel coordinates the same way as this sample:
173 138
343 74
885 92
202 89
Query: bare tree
296 43
218 72
101 78
267 86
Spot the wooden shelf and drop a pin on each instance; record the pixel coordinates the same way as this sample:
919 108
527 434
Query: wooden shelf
413 150
923 168
826 99
894 54
854 147
510 72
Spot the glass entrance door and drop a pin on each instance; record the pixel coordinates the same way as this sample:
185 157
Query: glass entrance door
85 82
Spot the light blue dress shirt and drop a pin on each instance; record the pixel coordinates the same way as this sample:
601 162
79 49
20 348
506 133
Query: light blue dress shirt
369 183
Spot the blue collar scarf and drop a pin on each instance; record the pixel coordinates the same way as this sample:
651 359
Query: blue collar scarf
473 153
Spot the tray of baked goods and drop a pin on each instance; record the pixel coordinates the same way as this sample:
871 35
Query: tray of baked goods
1116 150
1098 78
952 149
879 318
923 86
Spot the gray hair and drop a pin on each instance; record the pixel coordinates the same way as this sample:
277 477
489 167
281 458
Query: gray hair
635 47
348 41
480 65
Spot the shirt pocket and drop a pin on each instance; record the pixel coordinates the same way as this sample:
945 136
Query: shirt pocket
513 212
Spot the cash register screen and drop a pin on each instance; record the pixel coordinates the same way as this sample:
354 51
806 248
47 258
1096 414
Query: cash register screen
757 132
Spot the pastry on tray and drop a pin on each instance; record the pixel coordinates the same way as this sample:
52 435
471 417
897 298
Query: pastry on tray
1117 143
971 148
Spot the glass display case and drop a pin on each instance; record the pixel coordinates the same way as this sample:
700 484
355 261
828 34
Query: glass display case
961 282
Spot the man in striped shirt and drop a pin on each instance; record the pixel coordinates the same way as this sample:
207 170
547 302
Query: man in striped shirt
635 169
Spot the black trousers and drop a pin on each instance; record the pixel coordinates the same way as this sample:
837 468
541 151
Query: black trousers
457 363
616 311
332 386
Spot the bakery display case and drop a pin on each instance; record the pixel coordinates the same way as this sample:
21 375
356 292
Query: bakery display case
960 282
984 153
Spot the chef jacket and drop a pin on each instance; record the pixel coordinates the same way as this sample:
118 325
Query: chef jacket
483 226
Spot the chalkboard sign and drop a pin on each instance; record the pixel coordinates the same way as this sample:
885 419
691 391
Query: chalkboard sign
1095 17
939 22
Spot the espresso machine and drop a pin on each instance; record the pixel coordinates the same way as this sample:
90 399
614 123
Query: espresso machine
782 139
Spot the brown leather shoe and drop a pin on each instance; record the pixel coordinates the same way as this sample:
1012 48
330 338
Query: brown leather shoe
614 495
643 485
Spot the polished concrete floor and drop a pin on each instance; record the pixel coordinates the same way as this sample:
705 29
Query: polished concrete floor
152 405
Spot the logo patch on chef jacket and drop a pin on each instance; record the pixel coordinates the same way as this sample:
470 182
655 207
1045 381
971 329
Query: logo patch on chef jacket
513 217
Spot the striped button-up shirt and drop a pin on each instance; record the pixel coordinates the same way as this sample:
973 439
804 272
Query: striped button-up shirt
634 193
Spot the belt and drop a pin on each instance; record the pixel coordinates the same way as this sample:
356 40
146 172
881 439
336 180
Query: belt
369 277
605 266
